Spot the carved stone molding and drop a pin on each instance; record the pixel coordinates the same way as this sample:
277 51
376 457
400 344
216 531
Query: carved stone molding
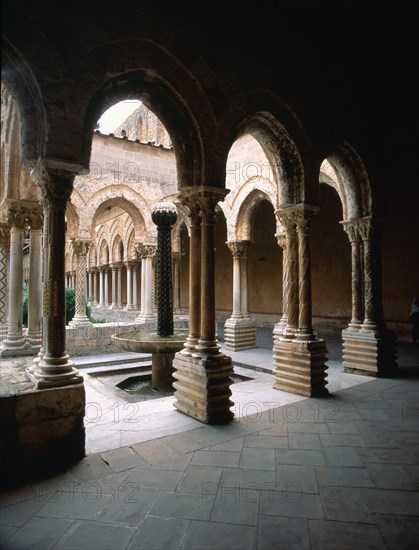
22 213
80 247
238 249
147 251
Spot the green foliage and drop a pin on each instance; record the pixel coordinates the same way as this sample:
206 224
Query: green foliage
70 304
25 307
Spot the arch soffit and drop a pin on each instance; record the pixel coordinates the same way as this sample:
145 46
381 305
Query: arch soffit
352 182
125 198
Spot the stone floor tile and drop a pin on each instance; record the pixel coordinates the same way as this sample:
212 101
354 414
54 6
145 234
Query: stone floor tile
219 536
228 459
342 456
344 504
163 480
341 440
386 501
376 426
304 441
6 531
289 503
236 505
342 427
128 507
300 457
248 478
379 439
307 427
92 535
235 445
183 505
122 459
346 477
91 468
399 531
176 463
157 533
390 476
38 533
374 414
75 505
390 456
339 535
299 479
283 533
19 513
266 441
258 459
183 442
155 450
200 479
279 429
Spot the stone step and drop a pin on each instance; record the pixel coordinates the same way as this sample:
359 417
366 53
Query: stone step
143 367
109 360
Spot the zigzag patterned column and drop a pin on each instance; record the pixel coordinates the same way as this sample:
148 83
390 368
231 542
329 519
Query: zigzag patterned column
4 240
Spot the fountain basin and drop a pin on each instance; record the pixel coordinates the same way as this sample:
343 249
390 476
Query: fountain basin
162 351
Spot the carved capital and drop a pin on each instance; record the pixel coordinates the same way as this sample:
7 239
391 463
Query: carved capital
80 247
281 239
351 228
55 179
238 248
202 202
23 213
147 251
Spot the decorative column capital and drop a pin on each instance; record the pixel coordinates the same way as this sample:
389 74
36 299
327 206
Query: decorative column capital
281 239
55 179
297 216
202 202
22 213
351 228
238 248
370 227
80 246
147 251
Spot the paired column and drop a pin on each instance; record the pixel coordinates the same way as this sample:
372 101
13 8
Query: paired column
279 328
299 356
81 249
176 282
54 369
369 347
202 373
129 305
239 329
114 303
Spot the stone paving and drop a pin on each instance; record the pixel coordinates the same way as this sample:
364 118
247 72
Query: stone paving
338 472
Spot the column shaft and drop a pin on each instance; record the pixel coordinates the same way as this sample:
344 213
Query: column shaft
35 287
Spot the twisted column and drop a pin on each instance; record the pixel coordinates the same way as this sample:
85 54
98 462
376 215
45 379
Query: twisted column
81 249
282 242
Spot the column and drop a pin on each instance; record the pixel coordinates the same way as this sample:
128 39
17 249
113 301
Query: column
279 328
90 286
129 287
106 286
176 282
202 372
147 252
299 357
34 334
14 339
94 287
101 288
54 369
119 286
114 303
81 249
239 329
134 285
365 228
4 240
352 230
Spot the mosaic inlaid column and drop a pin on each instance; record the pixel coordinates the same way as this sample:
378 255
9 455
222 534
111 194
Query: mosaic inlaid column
4 241
55 368
34 334
203 373
81 249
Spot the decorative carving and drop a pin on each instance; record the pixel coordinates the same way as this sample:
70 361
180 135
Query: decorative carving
238 249
55 179
80 247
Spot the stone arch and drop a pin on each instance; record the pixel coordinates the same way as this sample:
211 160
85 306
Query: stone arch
92 256
344 170
182 221
131 253
117 249
247 211
72 221
125 198
103 256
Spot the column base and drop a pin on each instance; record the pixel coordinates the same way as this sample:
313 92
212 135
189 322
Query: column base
240 334
371 353
16 348
203 387
44 375
80 321
300 367
146 318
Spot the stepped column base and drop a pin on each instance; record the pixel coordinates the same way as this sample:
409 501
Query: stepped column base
300 366
240 334
372 353
203 387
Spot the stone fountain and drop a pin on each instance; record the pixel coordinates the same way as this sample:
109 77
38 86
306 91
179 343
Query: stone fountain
164 343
